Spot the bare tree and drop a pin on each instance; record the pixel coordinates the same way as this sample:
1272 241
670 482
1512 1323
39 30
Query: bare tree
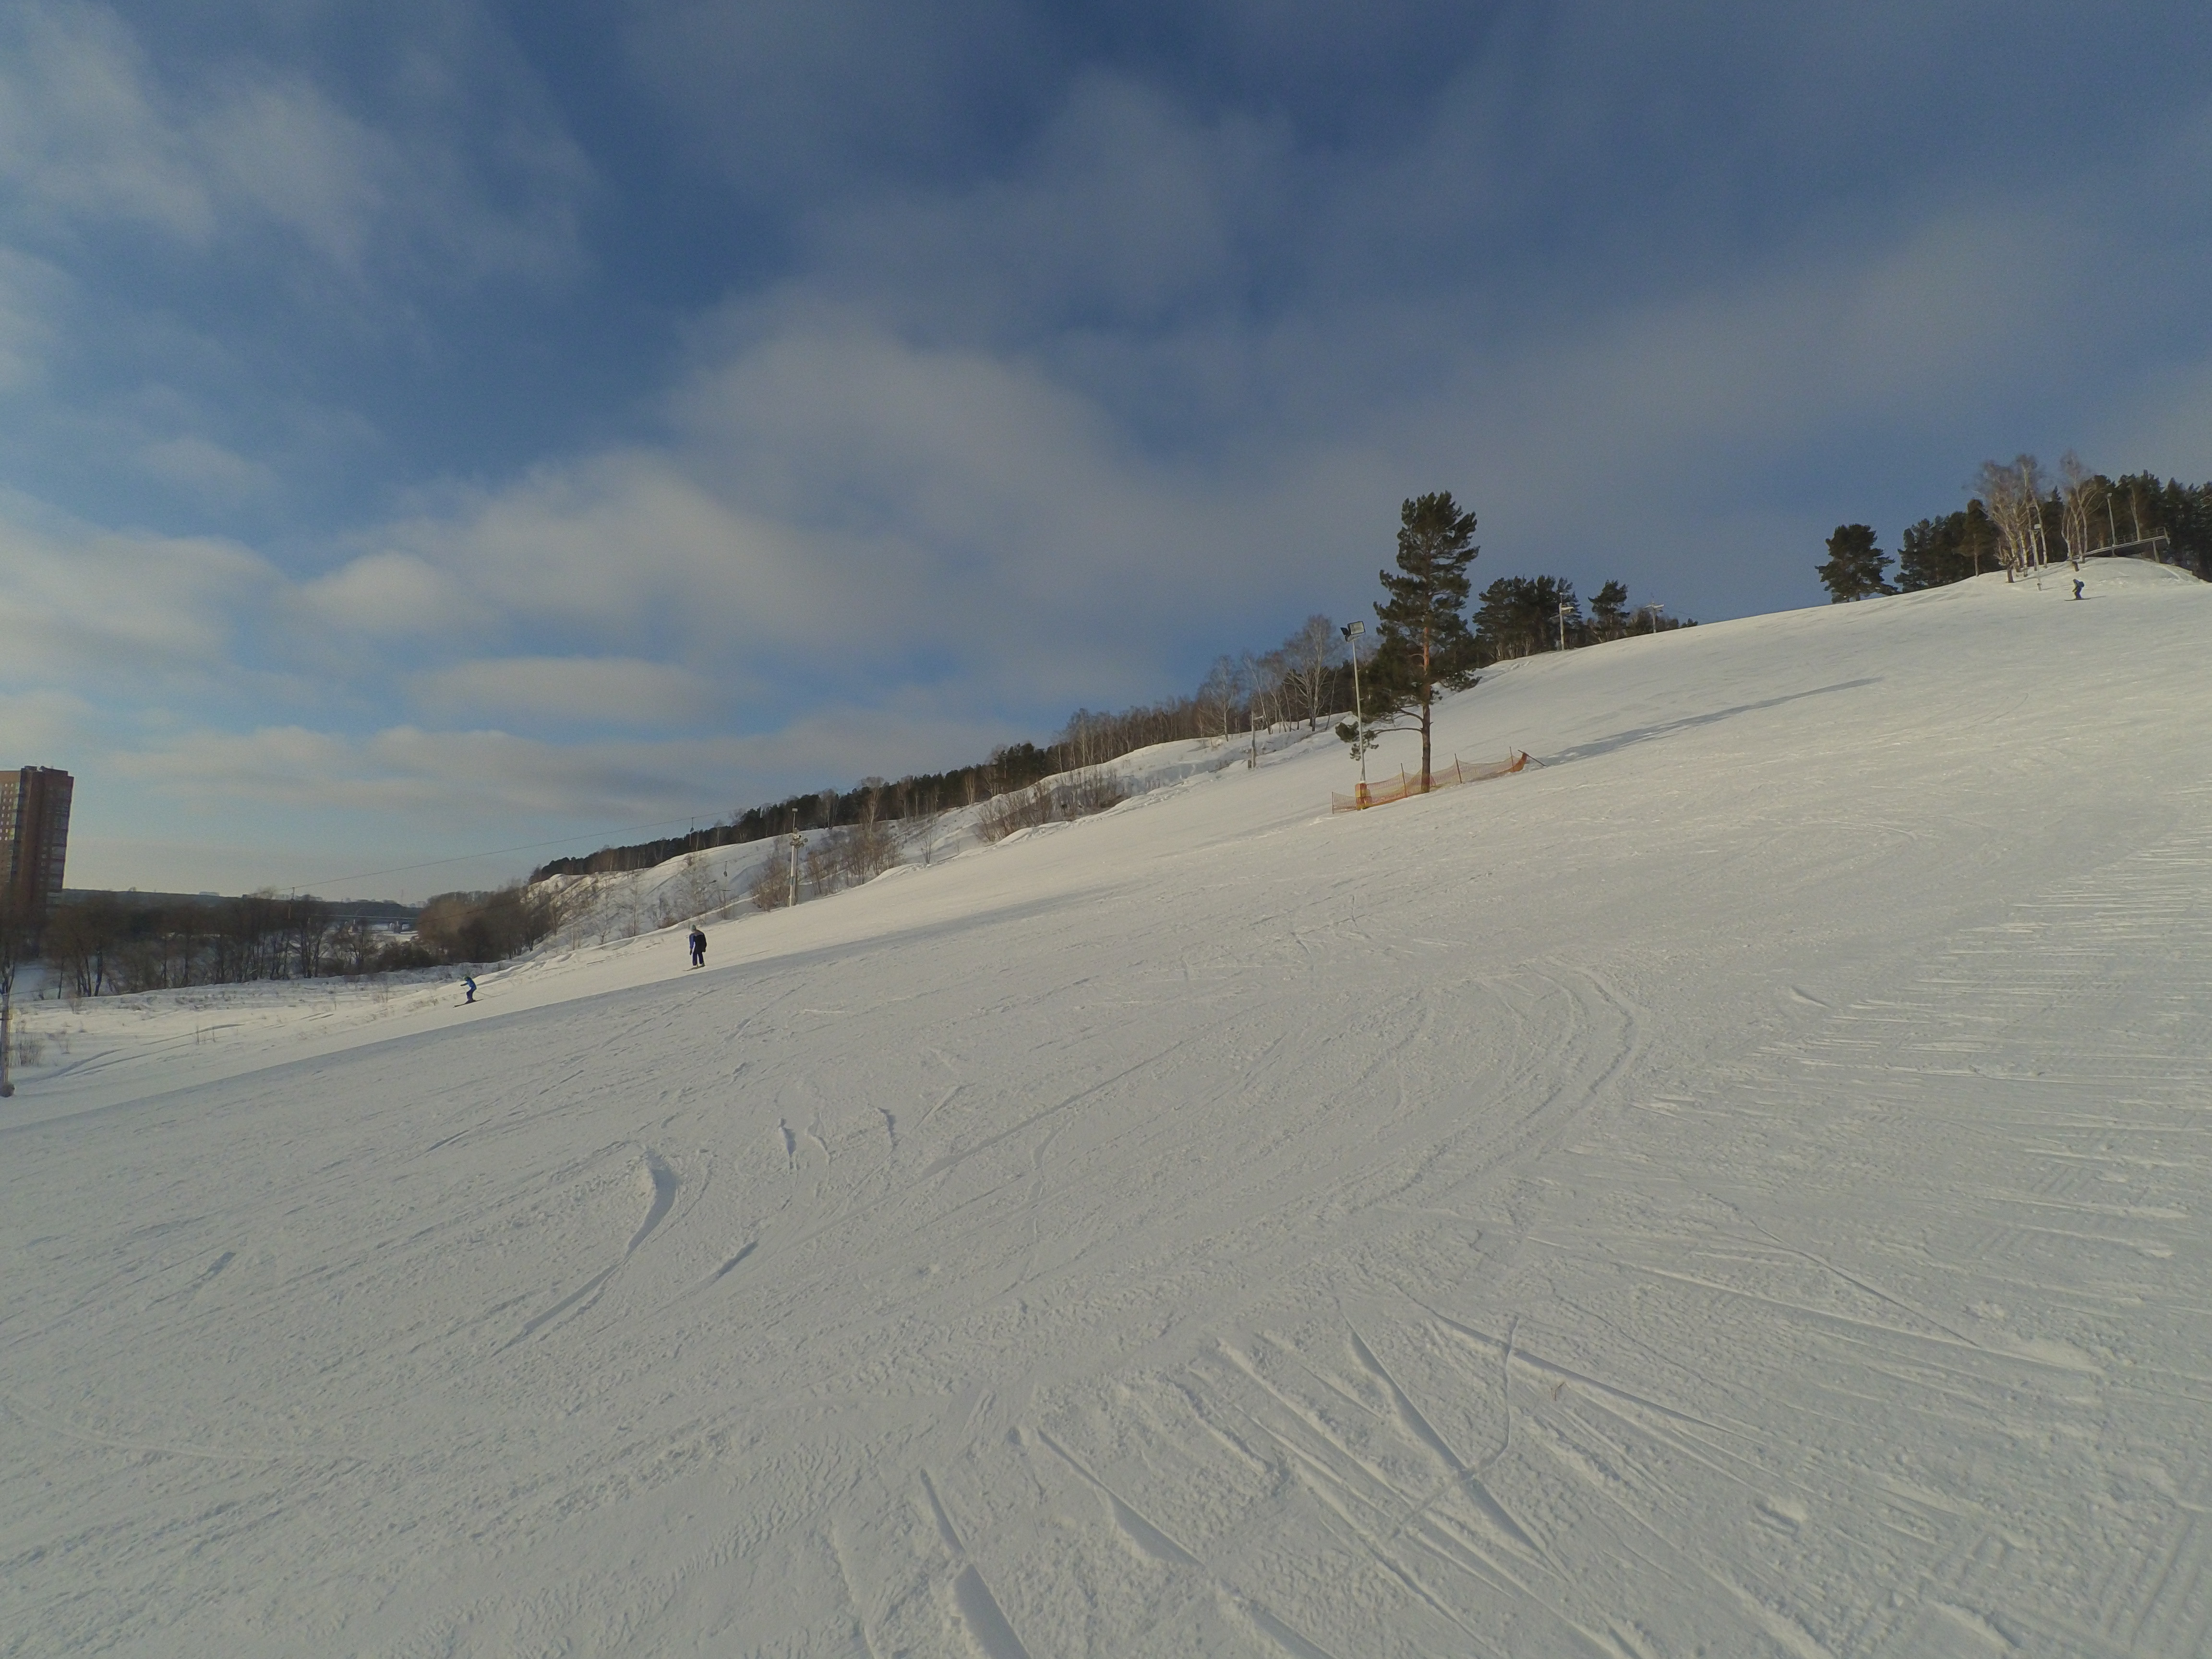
1308 655
309 923
1267 688
2012 496
2082 494
1217 696
700 888
770 888
867 848
1084 740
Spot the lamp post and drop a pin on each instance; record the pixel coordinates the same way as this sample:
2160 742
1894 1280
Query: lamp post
1352 630
1563 624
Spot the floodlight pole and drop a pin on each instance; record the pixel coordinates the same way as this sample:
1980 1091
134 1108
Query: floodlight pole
7 1017
798 841
1352 630
1563 624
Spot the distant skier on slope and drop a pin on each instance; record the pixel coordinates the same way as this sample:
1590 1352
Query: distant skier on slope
2077 587
698 947
468 988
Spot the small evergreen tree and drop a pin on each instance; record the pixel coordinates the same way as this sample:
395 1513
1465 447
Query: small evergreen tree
1855 567
1422 644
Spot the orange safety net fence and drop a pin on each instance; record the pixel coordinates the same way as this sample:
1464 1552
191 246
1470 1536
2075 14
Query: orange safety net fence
1440 777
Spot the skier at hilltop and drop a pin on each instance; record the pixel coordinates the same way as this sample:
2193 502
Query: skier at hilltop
698 946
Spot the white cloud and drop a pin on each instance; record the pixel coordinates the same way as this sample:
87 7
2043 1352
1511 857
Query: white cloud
282 150
207 468
43 727
832 491
282 764
465 777
388 593
88 607
622 547
93 131
81 133
29 292
834 502
586 690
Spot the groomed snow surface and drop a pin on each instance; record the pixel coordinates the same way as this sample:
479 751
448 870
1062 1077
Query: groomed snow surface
1740 1188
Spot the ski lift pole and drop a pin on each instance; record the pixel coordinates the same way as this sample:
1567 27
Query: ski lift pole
7 1017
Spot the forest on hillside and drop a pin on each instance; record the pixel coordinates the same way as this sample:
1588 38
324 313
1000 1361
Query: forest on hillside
1307 680
2020 517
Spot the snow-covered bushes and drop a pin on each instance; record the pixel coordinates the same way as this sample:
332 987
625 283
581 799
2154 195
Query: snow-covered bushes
1070 795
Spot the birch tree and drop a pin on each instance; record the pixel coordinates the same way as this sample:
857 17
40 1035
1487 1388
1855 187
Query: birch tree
2012 498
1308 655
2081 495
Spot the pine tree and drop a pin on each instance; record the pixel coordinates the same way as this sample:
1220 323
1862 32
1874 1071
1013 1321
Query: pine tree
1855 566
1520 614
1422 642
1609 612
1936 552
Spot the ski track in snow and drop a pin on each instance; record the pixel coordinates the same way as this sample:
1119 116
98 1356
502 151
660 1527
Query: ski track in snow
1741 1188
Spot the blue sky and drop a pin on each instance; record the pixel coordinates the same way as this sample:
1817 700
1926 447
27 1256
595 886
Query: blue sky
429 429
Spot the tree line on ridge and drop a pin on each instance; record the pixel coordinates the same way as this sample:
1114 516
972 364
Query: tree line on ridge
2020 517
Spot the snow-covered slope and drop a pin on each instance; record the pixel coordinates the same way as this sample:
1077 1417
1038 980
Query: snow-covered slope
716 884
1741 1187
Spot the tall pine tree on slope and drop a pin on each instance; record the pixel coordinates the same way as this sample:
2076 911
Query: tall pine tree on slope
1855 567
1422 642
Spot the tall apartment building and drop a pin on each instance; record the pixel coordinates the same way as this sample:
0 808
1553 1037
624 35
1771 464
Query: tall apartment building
34 815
